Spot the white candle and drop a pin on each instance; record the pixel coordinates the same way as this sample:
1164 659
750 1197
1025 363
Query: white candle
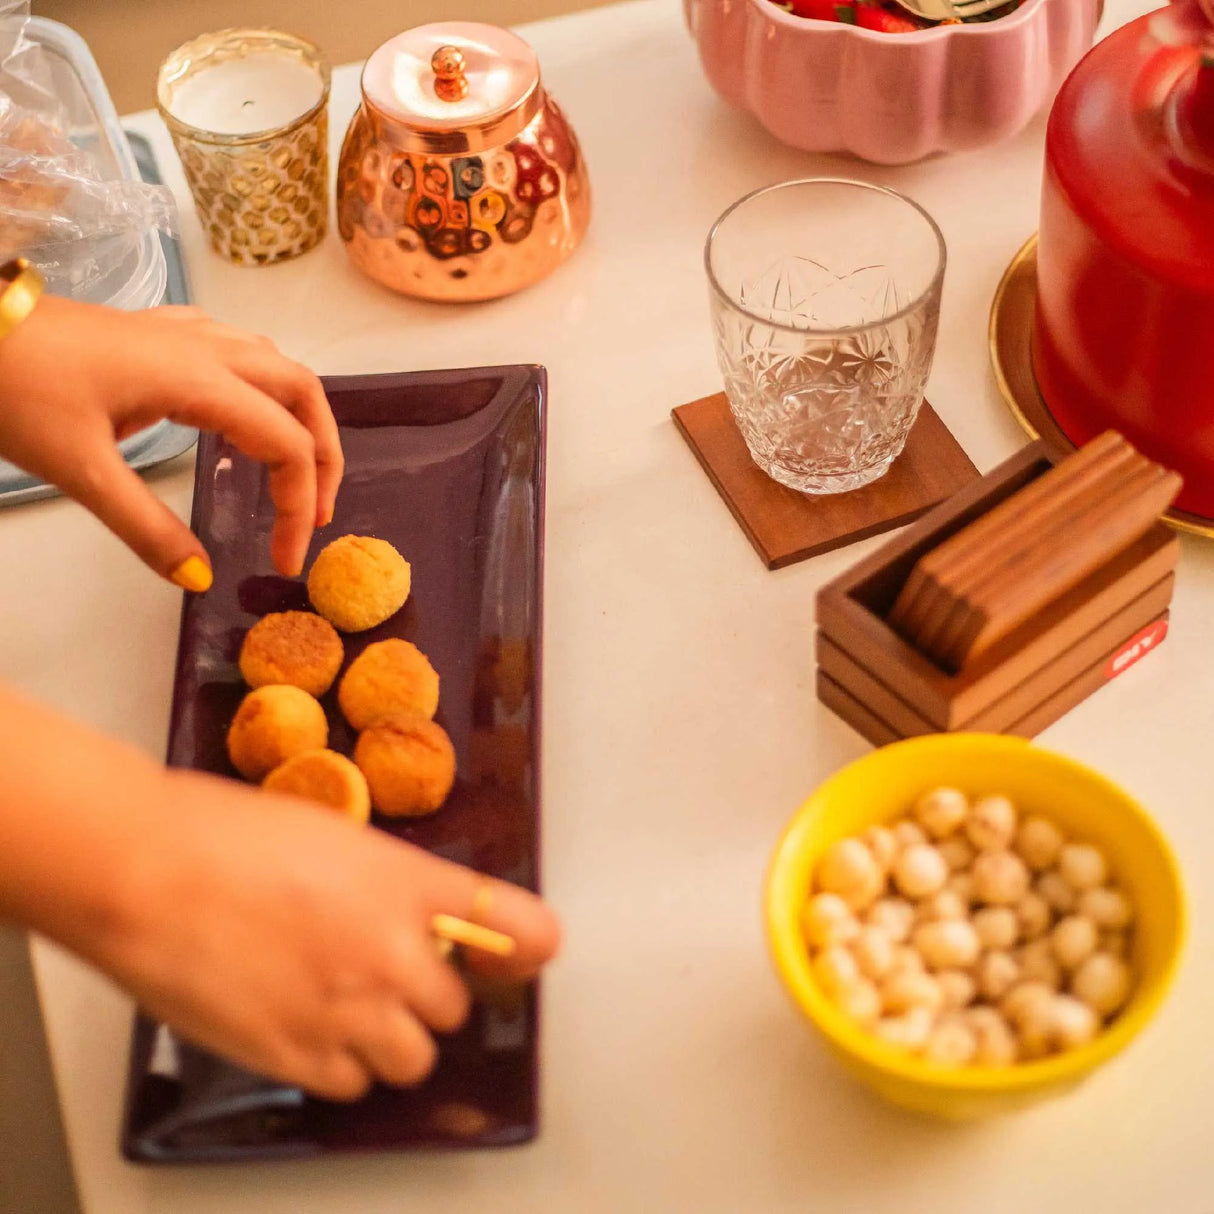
261 92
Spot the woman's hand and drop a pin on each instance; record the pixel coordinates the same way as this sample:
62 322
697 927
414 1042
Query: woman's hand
265 928
76 379
298 944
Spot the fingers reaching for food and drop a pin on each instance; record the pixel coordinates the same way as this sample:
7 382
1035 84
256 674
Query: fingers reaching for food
117 373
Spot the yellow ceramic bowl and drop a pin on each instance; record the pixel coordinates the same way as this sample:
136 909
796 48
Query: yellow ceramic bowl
882 786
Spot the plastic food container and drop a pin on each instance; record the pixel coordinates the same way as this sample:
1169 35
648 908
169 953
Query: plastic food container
138 276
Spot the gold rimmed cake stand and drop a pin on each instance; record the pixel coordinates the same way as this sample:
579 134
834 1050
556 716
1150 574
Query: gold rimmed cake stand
1010 335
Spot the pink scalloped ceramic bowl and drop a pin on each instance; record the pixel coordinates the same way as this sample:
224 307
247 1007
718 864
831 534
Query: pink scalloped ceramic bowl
891 98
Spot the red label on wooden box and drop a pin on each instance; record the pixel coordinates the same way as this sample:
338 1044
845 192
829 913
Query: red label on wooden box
1138 646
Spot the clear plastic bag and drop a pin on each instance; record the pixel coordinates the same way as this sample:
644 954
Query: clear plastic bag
66 200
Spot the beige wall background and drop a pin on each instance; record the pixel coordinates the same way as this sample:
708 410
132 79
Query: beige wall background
129 38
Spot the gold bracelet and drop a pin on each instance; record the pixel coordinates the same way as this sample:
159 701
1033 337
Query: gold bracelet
20 287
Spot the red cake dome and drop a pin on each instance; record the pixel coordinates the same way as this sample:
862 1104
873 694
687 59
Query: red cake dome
1123 335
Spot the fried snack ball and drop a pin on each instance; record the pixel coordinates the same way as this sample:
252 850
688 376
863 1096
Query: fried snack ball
409 763
293 647
272 724
389 676
358 581
326 777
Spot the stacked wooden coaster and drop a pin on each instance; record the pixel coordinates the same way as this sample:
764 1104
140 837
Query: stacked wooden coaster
1009 603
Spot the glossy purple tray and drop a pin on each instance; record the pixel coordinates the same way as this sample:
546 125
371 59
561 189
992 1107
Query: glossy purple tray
449 467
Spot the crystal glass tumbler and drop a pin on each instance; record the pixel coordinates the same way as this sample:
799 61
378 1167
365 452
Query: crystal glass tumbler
825 298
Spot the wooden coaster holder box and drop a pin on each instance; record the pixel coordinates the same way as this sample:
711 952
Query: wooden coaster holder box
887 689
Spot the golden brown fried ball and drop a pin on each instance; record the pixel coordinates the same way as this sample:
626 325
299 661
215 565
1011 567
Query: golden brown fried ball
293 647
326 777
389 676
358 581
272 724
409 763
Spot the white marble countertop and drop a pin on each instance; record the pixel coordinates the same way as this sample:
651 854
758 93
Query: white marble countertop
681 728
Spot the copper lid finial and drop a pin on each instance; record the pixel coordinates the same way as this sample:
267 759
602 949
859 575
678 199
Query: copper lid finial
450 82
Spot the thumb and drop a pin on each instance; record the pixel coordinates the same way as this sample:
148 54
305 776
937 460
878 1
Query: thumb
119 497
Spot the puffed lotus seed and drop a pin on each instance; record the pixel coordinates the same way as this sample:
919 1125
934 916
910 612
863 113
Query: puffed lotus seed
895 916
919 871
1107 908
883 845
905 960
847 868
860 1000
941 811
1072 1023
1029 1009
1082 866
827 919
1034 915
1102 982
961 884
1055 889
951 1043
995 1043
947 943
874 951
835 968
981 1014
943 904
957 988
908 834
1027 1001
1038 842
1000 878
1074 940
908 1031
1034 1039
910 966
957 852
997 926
1038 963
996 974
991 825
905 989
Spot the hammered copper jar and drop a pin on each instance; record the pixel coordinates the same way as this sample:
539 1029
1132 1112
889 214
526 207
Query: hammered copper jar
459 177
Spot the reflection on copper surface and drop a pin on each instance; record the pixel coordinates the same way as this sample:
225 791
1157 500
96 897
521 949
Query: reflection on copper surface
463 227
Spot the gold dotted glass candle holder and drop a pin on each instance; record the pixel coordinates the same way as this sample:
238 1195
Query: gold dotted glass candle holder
247 110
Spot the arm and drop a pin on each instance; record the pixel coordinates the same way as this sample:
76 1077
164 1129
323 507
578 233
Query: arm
262 927
274 932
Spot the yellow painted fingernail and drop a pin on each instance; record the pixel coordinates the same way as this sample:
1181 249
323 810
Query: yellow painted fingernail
192 574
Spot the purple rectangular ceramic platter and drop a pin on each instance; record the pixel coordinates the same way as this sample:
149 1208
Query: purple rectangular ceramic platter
449 467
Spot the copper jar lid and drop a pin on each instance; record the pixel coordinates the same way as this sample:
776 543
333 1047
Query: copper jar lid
453 86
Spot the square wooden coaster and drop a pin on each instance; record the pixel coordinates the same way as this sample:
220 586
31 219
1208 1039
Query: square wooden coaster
786 526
